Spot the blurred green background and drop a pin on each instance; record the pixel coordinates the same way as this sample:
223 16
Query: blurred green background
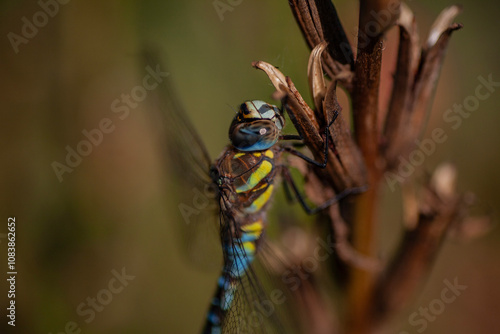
112 211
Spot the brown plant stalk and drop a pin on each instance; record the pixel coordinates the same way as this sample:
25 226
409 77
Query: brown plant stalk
366 156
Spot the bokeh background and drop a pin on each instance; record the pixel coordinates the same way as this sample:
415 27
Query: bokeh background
114 211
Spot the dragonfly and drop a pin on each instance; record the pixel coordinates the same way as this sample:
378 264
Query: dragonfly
241 183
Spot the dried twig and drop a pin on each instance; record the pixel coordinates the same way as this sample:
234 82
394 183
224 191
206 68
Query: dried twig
439 208
319 23
416 77
366 113
375 292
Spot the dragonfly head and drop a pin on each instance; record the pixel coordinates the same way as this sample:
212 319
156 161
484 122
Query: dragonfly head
257 126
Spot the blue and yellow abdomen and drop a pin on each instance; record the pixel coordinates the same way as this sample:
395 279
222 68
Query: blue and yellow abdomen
246 184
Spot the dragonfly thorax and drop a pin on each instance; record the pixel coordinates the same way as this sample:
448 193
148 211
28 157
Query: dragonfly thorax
257 126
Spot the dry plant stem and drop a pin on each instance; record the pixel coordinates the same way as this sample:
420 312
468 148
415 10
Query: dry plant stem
317 83
339 172
416 77
349 155
336 176
365 110
406 67
439 210
371 296
365 113
345 168
412 262
430 66
319 23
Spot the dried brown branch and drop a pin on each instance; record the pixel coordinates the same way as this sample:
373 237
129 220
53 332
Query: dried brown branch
367 74
319 192
317 83
365 101
342 172
374 293
406 68
440 208
366 113
349 155
414 85
319 23
426 80
345 167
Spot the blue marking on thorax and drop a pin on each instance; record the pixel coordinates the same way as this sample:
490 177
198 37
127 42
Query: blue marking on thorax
258 146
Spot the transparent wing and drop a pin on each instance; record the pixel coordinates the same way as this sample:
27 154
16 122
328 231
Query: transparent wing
262 302
191 194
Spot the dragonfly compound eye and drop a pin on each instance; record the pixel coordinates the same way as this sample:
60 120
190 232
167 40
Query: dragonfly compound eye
255 135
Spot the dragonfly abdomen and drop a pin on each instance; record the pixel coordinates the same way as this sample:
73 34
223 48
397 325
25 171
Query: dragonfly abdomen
245 180
240 252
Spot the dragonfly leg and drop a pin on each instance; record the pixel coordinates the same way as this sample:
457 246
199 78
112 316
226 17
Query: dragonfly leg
306 158
287 176
288 193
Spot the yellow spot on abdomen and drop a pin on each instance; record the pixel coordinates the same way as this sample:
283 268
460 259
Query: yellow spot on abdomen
254 229
249 247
